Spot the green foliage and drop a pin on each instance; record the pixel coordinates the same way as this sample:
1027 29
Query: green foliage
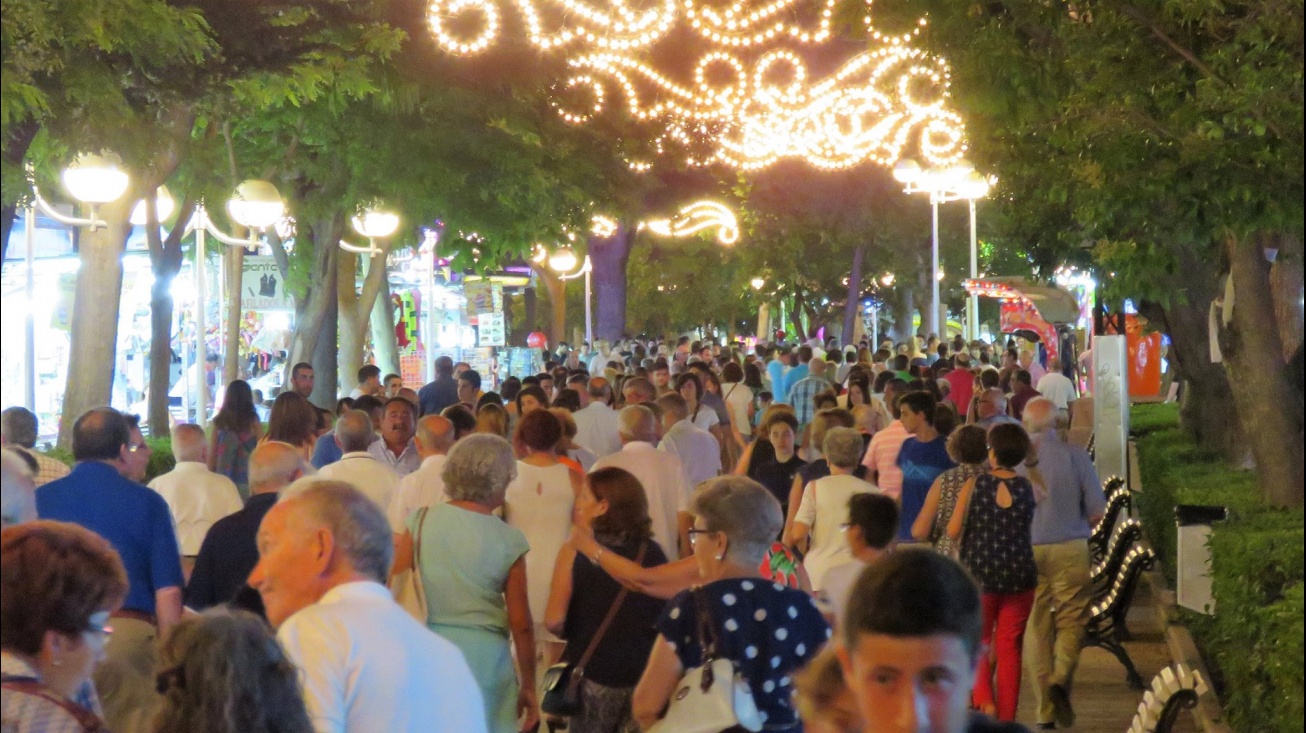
161 458
1254 641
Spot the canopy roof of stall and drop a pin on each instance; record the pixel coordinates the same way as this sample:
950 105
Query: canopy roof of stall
1054 305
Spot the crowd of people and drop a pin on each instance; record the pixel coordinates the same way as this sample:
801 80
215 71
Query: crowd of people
864 536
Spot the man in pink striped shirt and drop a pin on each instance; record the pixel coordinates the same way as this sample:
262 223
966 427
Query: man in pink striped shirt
881 458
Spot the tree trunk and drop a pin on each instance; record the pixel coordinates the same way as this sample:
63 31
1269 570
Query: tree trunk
557 291
354 312
315 304
796 318
851 309
325 354
15 151
609 258
96 300
385 344
1253 354
528 317
235 266
165 263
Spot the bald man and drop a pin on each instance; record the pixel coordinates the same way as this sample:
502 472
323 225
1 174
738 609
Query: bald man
423 487
229 551
197 496
596 423
662 475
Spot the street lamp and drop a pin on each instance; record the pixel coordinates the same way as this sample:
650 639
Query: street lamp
757 283
563 261
92 180
943 184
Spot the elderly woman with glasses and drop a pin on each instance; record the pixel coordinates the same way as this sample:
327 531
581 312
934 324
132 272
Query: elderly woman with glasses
58 584
473 569
768 630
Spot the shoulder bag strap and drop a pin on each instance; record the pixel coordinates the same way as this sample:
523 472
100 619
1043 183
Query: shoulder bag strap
88 720
706 632
607 620
417 544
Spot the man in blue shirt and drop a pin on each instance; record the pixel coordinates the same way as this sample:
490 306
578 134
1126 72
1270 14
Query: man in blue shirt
922 458
442 392
1062 524
800 371
137 522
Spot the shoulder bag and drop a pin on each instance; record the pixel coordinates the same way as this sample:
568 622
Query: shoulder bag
562 681
406 585
713 696
88 721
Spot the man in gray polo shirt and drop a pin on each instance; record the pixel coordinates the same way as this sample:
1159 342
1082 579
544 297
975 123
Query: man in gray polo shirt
1063 522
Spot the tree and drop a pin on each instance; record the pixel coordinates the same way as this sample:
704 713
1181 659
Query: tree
1168 133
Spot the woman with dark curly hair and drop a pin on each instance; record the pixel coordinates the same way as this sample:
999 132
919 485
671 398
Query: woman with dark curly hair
59 583
613 505
223 671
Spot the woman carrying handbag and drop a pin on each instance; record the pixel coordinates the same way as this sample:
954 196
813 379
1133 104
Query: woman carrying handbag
726 651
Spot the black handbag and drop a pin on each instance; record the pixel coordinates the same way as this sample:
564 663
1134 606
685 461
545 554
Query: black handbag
562 681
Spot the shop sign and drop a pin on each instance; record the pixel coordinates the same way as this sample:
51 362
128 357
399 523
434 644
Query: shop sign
483 297
490 329
261 286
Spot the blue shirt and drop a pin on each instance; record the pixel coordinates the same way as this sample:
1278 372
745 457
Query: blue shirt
921 463
792 377
326 451
775 371
435 396
135 520
1074 492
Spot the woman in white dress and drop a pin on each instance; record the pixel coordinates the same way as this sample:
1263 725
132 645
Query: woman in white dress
824 509
539 502
738 397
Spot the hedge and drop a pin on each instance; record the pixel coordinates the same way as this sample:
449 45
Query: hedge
1254 641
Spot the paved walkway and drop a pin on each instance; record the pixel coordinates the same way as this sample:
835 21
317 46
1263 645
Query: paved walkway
1103 702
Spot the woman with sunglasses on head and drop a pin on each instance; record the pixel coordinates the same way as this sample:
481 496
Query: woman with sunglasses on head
59 583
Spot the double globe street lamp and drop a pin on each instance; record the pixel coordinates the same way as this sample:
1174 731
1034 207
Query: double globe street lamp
564 261
959 181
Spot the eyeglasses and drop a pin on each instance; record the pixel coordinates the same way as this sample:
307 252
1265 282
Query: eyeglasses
137 447
98 623
694 532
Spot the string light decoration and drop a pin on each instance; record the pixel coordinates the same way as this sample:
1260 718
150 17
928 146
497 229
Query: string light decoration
871 108
697 217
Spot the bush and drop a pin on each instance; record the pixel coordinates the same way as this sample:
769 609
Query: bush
161 460
1254 641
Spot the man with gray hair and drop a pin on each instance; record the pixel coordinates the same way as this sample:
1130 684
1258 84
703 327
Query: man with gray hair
17 492
596 423
230 550
662 475
423 487
698 450
358 466
197 496
18 431
991 409
325 552
1063 521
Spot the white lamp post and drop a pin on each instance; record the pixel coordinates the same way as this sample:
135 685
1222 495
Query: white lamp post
563 261
255 205
92 180
956 182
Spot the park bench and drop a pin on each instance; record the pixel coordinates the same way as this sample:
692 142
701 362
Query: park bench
1118 500
1123 538
1174 689
1106 627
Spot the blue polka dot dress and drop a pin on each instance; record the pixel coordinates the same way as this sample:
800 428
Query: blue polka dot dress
768 630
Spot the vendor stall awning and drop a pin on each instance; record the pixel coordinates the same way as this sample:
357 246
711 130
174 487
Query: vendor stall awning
1053 304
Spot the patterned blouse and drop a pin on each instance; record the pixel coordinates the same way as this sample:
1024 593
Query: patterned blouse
997 547
950 483
232 457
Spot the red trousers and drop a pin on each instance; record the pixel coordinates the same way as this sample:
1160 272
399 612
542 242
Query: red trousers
1005 616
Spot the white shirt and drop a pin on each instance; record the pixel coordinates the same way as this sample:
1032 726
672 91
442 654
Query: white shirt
698 450
421 488
1058 388
837 585
738 397
663 478
356 393
364 472
366 665
824 509
596 429
197 497
706 417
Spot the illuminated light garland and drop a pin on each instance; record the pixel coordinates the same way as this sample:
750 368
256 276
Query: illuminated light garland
868 110
697 217
603 226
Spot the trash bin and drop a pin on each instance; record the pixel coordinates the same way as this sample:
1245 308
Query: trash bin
1194 555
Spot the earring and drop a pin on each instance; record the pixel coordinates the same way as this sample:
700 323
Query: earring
720 558
57 662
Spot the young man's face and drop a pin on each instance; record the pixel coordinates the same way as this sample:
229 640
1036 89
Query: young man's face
302 382
661 377
910 684
392 387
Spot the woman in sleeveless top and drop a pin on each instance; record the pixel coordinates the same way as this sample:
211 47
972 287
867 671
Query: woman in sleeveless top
236 432
997 509
968 446
539 503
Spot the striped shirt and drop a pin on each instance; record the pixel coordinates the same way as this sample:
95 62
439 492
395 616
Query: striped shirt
882 458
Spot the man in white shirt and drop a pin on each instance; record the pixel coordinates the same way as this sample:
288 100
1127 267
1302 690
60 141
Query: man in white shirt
596 423
395 447
357 466
871 534
369 382
197 496
660 473
698 450
425 486
1056 386
365 664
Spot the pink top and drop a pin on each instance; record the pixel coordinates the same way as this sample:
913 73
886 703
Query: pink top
882 458
961 388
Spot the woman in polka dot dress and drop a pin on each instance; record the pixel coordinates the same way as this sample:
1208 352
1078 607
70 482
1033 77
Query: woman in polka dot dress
768 630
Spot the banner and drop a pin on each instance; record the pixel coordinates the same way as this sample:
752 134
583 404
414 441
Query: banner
261 286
